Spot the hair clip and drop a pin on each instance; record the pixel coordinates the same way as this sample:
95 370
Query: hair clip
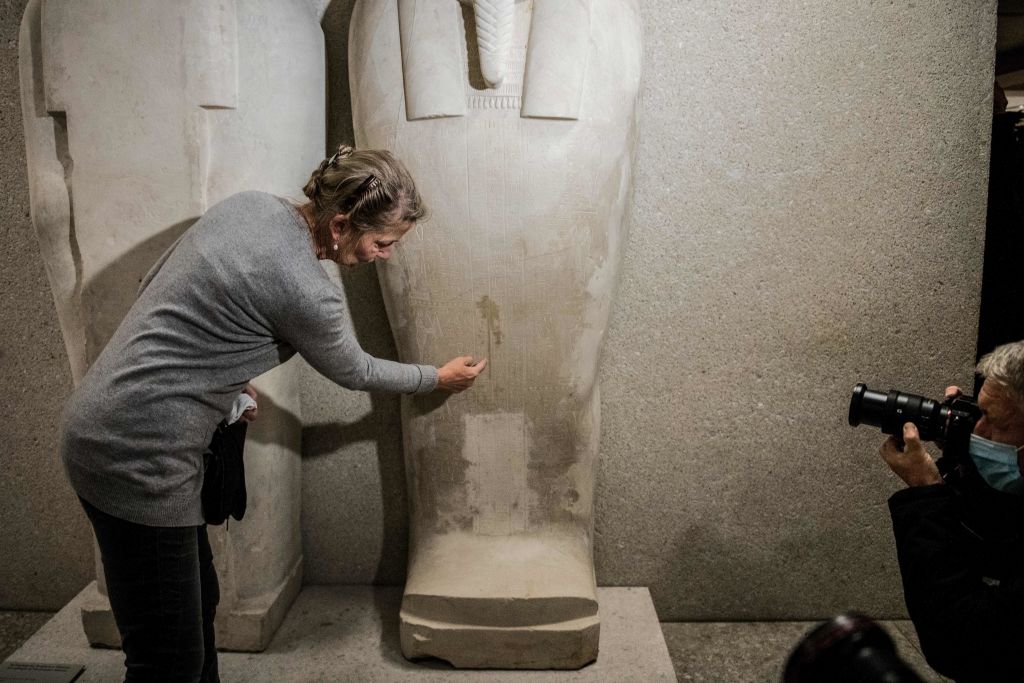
371 183
362 191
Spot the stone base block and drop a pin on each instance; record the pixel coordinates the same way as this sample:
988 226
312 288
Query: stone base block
249 625
566 645
97 619
524 601
245 626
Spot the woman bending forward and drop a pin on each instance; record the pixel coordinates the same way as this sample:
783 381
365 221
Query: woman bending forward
239 293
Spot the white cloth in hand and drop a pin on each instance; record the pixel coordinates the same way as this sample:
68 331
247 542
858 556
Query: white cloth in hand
242 403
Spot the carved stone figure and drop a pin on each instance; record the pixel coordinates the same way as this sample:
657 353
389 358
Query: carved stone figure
140 114
517 120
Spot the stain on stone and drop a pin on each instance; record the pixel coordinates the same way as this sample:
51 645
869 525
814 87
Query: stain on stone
491 315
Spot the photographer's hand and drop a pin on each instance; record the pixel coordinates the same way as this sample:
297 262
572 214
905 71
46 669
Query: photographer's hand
911 463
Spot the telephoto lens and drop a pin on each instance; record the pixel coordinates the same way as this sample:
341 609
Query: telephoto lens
949 423
889 411
847 649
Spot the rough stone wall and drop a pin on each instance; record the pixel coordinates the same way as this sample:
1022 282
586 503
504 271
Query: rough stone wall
809 212
46 554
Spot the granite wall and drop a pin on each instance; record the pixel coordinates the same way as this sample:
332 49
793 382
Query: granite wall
46 546
809 213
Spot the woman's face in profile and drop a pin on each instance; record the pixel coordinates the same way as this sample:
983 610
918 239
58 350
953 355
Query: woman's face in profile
371 246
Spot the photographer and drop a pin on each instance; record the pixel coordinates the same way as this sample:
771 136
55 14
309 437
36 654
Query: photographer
961 549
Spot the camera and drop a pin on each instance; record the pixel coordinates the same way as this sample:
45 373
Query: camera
949 422
940 421
847 649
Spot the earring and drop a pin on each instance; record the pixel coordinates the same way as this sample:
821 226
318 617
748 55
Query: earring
335 247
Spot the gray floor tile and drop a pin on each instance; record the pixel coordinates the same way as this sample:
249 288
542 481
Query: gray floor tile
16 627
731 652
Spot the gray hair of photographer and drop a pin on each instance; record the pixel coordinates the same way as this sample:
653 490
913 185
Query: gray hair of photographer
1005 366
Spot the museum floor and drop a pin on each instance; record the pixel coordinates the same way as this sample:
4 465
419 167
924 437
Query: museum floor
711 652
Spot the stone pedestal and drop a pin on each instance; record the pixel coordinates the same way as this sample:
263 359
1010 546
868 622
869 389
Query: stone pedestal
244 625
477 600
346 633
139 115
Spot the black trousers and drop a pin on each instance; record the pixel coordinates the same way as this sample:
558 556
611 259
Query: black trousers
163 591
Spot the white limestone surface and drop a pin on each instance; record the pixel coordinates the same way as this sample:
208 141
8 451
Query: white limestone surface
138 116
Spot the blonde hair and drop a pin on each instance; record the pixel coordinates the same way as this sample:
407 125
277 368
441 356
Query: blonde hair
370 186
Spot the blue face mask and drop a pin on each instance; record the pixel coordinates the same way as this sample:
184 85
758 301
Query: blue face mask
997 464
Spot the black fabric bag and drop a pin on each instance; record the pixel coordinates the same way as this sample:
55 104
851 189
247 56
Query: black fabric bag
223 491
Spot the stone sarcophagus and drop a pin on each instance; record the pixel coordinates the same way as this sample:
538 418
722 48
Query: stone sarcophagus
140 114
518 122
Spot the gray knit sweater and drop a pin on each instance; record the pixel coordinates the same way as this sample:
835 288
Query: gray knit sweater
239 293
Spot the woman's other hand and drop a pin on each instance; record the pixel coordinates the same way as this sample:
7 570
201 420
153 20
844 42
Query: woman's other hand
252 413
459 373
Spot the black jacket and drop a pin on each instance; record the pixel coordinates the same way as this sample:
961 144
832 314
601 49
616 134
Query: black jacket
962 562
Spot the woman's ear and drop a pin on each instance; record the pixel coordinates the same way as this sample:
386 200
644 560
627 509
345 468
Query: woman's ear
338 226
